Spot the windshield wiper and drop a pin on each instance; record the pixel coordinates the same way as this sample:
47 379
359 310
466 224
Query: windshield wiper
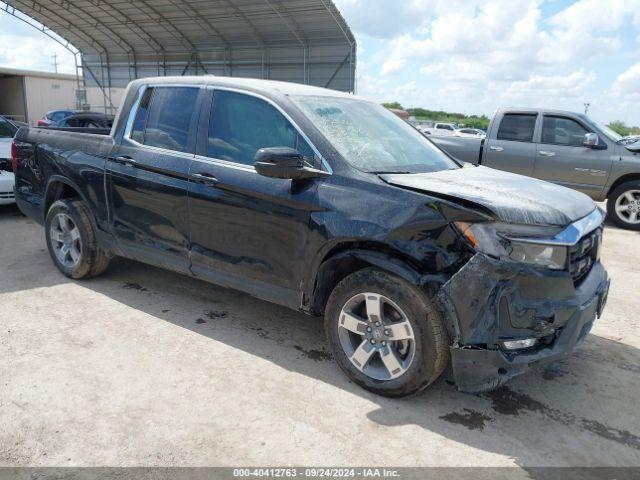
382 172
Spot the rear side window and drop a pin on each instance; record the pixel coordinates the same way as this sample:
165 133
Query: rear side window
563 131
242 124
517 127
59 115
169 118
163 118
7 130
139 123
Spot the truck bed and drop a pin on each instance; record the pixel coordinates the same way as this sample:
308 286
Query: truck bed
52 156
465 149
94 131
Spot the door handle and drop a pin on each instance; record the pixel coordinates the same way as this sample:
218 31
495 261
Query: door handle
205 178
496 149
545 153
128 161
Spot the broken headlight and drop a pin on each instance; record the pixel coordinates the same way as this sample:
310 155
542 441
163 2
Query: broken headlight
519 243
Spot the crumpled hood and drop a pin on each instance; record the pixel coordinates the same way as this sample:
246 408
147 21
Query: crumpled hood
512 198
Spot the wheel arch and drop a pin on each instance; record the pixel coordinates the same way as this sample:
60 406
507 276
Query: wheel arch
629 177
59 187
347 257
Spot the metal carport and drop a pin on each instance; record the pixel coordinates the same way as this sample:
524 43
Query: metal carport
116 41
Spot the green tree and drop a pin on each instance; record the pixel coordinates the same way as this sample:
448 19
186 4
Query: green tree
474 121
620 128
395 105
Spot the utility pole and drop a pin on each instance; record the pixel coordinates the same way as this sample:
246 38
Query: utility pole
586 108
55 62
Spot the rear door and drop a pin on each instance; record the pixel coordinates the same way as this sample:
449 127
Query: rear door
148 176
511 147
562 158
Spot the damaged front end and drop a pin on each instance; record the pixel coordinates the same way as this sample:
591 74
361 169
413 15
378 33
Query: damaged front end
504 315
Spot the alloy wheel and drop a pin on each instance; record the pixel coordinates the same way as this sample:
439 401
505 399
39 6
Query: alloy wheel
65 240
376 336
628 206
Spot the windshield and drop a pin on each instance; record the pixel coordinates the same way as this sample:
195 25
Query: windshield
612 135
371 138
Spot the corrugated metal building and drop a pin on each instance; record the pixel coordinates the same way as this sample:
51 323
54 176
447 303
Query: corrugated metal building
27 95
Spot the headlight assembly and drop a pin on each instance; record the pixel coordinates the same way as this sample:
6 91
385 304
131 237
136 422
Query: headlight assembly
519 243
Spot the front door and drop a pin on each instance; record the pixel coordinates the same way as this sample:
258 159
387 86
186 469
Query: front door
148 177
562 158
249 231
512 149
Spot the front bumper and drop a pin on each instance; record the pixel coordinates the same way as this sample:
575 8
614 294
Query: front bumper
489 301
7 181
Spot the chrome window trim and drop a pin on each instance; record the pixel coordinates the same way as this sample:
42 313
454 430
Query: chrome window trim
242 166
324 162
572 234
226 163
134 111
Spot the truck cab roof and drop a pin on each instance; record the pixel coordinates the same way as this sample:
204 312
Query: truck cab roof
265 87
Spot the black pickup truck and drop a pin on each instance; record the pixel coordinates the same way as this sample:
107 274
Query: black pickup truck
330 205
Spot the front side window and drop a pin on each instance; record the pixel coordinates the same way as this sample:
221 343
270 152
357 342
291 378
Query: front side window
517 127
7 130
562 131
370 137
169 118
241 124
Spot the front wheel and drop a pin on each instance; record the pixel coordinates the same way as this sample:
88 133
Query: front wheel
385 334
623 206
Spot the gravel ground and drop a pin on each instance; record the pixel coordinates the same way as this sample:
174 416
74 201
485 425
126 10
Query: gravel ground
150 368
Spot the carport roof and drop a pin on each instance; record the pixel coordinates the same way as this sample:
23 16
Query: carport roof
171 35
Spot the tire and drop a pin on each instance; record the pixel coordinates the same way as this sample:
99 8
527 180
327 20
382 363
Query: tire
620 198
89 259
420 360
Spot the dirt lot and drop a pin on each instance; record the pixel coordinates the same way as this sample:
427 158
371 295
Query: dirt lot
147 367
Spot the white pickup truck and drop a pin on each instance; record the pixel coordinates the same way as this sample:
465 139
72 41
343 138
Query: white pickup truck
562 147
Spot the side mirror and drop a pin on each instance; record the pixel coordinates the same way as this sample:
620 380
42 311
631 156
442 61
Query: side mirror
591 140
284 162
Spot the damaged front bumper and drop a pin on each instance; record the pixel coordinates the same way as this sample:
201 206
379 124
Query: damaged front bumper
490 301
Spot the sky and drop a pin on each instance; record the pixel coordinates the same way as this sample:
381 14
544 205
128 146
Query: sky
462 56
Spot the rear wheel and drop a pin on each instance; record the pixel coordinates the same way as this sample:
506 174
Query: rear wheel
385 334
71 240
623 206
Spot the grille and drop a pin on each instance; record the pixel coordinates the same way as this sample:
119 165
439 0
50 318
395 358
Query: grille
5 164
583 255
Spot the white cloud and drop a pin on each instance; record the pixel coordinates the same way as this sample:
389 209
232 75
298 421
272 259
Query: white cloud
538 89
372 17
628 82
475 55
392 65
31 53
